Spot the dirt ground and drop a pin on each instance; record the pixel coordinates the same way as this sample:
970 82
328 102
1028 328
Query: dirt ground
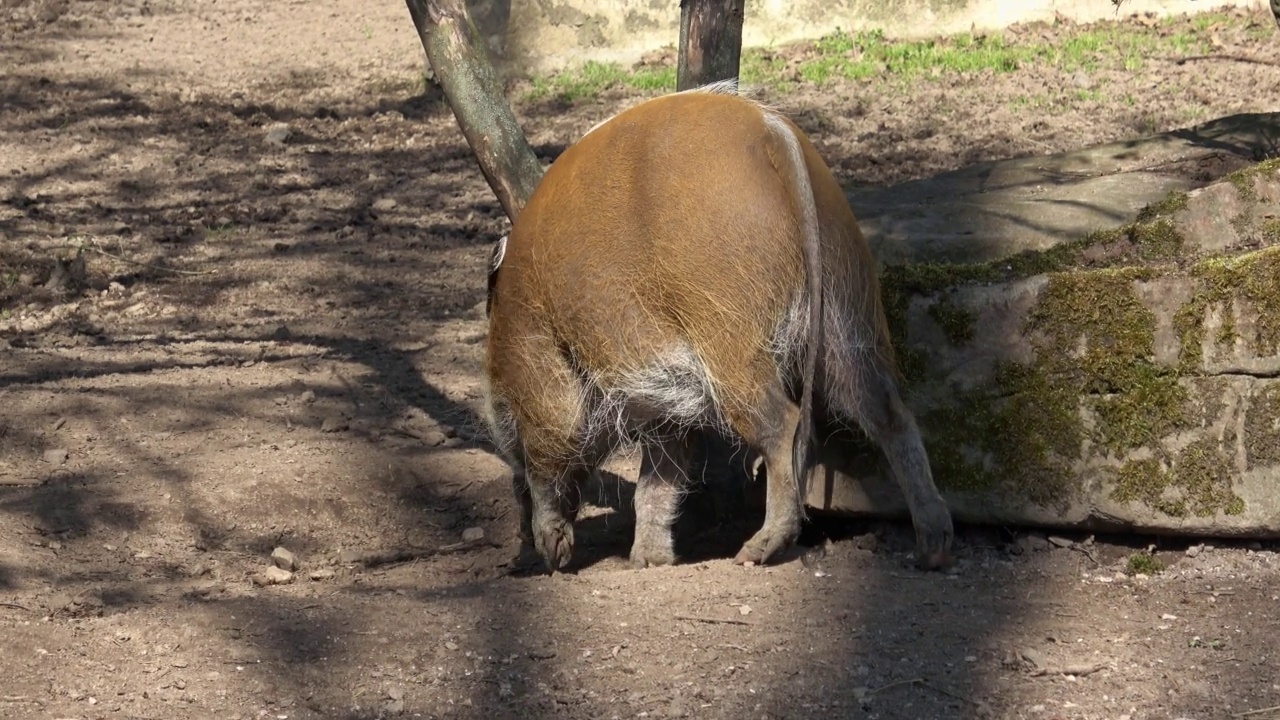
273 339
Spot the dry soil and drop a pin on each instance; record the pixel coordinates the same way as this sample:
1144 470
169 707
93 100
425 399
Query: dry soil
273 339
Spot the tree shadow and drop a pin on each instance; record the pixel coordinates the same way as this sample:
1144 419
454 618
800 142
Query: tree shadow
857 633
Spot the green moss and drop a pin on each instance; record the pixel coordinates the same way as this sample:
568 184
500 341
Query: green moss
1142 243
1172 203
1144 563
1253 278
1271 231
1094 342
1196 481
1153 407
1094 377
1262 427
956 322
1243 178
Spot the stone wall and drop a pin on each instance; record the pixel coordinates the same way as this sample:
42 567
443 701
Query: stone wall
1127 379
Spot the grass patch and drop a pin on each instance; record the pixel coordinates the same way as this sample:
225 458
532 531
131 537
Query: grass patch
588 80
1144 563
870 55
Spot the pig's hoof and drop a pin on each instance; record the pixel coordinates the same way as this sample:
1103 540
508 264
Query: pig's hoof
767 544
646 555
553 539
934 534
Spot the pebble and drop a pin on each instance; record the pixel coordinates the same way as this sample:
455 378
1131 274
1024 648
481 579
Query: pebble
385 204
56 456
307 397
278 134
284 559
322 574
273 576
473 534
333 423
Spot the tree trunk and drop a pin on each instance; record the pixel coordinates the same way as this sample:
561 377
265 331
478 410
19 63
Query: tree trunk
474 91
710 41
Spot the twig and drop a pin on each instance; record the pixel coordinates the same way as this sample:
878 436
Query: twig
121 258
712 620
1259 711
899 683
925 684
948 693
15 606
1077 670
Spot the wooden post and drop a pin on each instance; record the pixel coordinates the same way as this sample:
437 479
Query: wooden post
471 85
710 41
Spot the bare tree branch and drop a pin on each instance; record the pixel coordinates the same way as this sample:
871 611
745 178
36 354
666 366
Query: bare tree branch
475 94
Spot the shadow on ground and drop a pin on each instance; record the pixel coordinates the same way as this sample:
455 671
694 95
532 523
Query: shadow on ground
278 344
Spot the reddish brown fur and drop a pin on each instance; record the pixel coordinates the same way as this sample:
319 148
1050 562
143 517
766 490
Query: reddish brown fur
675 225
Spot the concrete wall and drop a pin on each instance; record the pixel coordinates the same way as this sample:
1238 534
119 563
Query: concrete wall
545 35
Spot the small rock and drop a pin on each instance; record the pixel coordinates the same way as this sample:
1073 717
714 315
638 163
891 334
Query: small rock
473 534
59 600
55 545
385 204
284 559
57 424
744 609
307 397
395 693
322 574
1034 657
1060 541
1194 550
273 576
57 456
348 557
1034 542
432 438
278 134
333 423
450 645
